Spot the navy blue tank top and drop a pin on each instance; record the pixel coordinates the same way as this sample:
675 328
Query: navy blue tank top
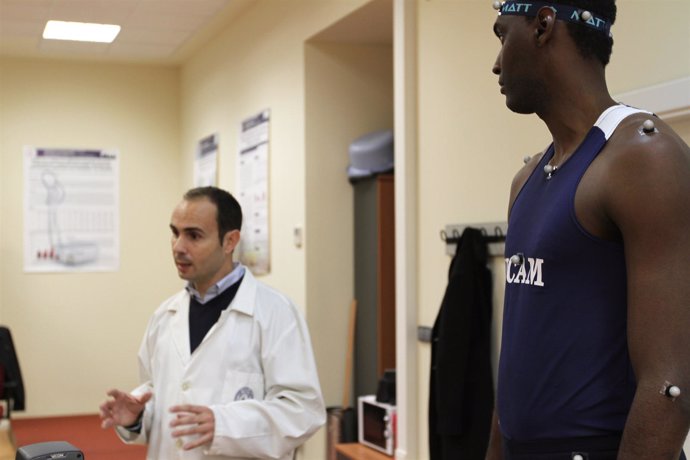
564 367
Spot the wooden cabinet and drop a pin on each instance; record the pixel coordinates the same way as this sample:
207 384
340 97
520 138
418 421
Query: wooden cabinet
374 281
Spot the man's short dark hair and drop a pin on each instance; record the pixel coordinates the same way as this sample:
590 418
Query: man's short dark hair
590 42
228 210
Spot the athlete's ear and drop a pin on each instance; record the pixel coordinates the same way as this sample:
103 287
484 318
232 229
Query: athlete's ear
544 23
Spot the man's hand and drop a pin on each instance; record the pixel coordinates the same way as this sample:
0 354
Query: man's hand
194 420
122 408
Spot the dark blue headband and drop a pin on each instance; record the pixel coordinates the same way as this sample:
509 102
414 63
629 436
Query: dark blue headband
563 12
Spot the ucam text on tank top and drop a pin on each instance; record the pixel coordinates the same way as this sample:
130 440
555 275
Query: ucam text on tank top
528 272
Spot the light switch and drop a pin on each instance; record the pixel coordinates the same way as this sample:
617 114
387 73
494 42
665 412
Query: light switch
297 236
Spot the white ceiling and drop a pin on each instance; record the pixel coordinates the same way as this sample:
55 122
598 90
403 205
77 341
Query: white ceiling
153 31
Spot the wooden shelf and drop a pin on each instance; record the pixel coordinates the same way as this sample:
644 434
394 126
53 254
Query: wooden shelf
357 451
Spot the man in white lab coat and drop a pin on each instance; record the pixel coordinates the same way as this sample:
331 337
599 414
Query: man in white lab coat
226 365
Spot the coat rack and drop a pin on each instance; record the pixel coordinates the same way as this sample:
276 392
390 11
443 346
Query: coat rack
494 233
495 236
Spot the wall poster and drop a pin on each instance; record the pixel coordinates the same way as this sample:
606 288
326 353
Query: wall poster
71 210
206 162
253 192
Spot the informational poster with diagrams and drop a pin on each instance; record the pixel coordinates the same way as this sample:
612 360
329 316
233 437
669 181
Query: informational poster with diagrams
253 192
71 210
206 162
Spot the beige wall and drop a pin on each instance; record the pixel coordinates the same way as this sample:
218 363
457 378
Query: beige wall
77 334
349 92
257 64
83 330
470 144
651 42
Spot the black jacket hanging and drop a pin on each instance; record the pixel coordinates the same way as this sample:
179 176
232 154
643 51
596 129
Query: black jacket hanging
461 388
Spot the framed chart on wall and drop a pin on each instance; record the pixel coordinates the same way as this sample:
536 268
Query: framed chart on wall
253 192
206 161
71 210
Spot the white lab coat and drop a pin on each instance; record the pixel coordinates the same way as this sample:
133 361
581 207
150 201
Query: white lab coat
255 369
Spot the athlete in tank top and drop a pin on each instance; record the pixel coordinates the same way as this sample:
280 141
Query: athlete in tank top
564 368
595 356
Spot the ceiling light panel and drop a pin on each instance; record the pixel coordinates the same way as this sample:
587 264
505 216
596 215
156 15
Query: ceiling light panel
80 31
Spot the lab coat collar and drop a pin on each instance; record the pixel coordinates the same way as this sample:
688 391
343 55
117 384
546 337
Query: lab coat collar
244 300
228 280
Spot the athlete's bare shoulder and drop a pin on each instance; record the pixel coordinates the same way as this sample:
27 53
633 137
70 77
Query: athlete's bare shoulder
645 163
644 138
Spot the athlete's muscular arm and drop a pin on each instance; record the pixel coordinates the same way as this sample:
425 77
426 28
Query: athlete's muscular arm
495 449
647 196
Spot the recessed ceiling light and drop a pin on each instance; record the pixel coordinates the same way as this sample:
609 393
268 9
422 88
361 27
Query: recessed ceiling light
80 31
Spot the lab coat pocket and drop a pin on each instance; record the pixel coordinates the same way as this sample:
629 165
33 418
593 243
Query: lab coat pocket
240 386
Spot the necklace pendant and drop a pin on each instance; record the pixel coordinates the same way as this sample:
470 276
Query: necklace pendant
550 170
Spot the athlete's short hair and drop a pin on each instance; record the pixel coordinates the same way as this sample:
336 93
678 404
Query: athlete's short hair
228 210
590 42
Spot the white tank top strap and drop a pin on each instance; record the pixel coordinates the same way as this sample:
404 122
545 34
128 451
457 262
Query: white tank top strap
610 118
